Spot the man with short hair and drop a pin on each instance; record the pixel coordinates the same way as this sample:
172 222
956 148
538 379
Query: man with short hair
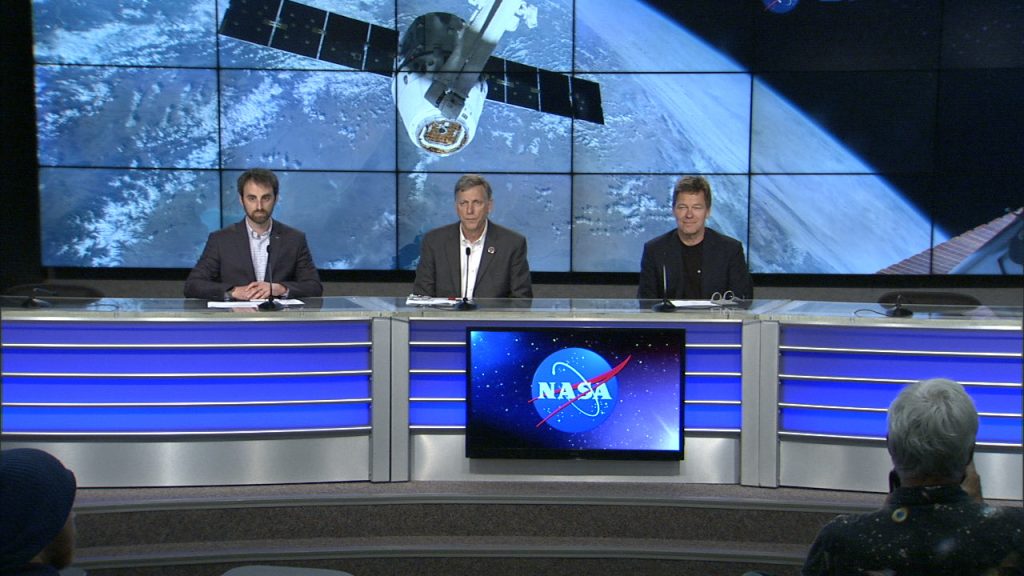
37 525
693 261
929 523
257 257
495 266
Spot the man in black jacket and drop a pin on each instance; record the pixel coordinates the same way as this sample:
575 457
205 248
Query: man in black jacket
692 261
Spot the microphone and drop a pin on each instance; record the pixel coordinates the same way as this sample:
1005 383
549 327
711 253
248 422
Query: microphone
35 301
665 305
270 305
464 303
898 311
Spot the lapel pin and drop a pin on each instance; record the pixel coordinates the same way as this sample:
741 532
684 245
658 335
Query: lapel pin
490 249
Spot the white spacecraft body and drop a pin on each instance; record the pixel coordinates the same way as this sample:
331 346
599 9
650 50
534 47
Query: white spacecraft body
441 71
439 87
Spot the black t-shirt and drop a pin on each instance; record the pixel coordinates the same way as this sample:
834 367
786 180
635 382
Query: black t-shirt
693 256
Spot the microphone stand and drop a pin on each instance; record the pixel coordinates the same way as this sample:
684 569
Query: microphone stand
665 305
898 311
464 303
35 301
270 305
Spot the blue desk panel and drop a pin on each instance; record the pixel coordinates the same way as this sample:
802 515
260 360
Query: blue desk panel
185 377
829 375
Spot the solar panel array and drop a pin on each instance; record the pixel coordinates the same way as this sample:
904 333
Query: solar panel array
316 33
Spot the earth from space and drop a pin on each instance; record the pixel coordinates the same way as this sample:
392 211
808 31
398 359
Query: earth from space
141 137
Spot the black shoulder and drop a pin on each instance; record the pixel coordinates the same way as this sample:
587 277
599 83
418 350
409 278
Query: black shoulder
663 239
282 229
502 231
229 230
722 239
442 231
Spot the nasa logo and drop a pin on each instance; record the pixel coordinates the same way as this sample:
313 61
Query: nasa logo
568 400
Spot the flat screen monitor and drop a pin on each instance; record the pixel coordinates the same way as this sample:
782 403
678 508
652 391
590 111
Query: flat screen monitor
575 393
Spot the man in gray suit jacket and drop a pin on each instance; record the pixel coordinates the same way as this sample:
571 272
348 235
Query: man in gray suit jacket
490 257
258 256
692 261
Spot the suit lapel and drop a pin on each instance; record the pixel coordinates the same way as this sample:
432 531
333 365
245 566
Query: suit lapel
276 256
672 274
454 254
488 254
708 255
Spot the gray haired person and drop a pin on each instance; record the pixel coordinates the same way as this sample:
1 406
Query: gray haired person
934 521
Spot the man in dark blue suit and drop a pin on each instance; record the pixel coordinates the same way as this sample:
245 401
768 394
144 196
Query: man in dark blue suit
496 264
693 261
258 256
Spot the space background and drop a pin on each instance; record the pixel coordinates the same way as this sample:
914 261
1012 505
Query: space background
828 154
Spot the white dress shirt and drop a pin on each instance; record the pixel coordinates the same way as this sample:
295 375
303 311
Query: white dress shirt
476 252
258 249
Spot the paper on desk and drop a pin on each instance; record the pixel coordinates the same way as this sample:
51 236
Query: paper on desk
701 303
253 303
415 300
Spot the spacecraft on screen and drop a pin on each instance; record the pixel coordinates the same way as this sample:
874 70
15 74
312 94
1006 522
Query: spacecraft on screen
442 69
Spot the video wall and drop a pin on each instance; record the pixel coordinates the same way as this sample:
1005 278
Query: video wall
840 137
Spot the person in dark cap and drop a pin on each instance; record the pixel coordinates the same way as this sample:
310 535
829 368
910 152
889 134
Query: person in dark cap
37 526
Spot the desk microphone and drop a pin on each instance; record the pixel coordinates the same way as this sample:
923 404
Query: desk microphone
270 305
35 301
464 303
665 305
898 311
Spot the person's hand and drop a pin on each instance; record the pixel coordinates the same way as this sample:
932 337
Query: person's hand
972 482
251 291
238 293
242 292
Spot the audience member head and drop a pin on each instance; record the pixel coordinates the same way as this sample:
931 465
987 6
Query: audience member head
260 176
36 522
932 429
692 185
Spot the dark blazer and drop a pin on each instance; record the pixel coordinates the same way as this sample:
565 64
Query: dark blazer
226 263
722 267
504 271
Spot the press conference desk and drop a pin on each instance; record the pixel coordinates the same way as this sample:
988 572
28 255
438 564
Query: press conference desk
150 392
